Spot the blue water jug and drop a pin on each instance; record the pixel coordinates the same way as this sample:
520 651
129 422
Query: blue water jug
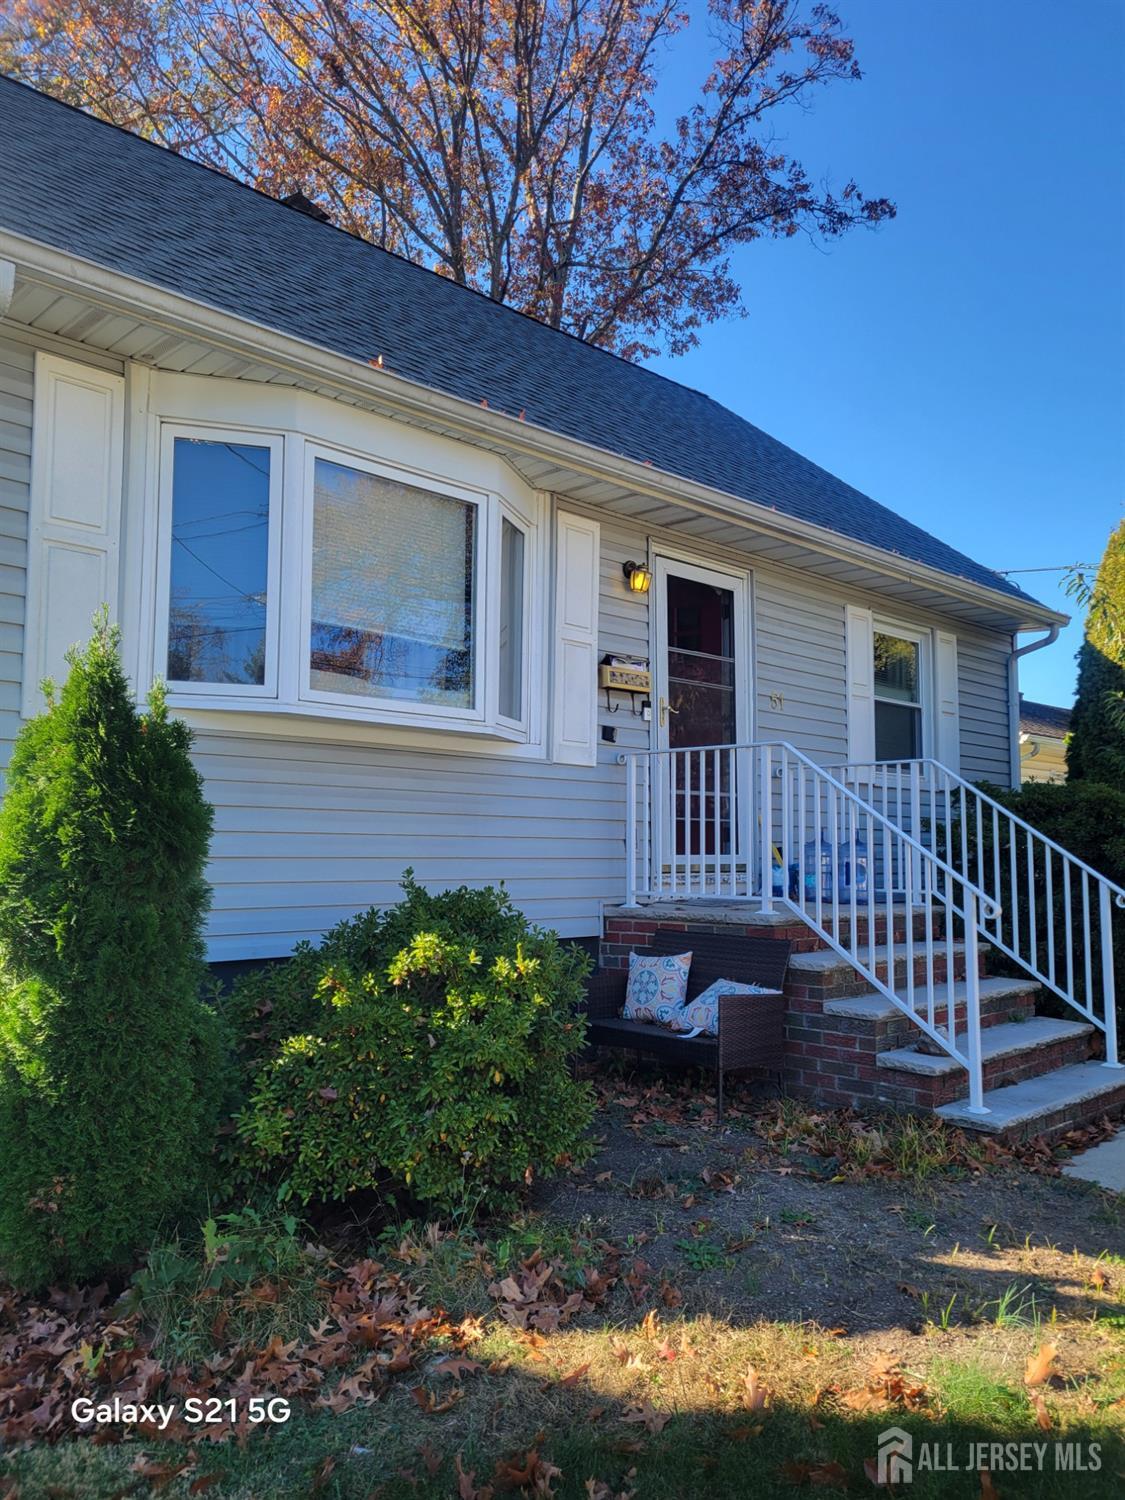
853 877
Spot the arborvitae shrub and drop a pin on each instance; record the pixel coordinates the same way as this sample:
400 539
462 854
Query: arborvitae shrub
425 1052
1096 748
110 1064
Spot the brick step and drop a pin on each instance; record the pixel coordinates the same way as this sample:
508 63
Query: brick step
919 919
824 974
1011 1052
1048 1105
1001 1000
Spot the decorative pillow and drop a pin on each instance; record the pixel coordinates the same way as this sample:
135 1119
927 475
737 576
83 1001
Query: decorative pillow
702 1013
657 986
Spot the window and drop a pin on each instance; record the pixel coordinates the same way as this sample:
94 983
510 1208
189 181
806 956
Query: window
512 566
393 590
219 569
307 573
898 697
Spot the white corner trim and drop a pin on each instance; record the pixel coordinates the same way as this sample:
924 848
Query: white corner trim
7 285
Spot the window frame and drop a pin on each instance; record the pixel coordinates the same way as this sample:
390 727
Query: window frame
274 441
923 639
528 530
295 420
392 710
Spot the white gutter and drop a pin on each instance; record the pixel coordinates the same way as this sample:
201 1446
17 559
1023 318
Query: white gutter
242 337
1014 694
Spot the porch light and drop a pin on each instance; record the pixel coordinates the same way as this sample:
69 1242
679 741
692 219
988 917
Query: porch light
638 577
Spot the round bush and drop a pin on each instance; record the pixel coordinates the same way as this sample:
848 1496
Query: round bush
433 1060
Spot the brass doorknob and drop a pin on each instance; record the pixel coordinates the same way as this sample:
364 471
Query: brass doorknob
666 709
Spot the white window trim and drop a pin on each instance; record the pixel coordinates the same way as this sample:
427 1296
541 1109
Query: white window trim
503 512
274 442
924 640
298 422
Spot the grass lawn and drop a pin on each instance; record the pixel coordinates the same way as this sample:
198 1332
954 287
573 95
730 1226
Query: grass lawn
693 1313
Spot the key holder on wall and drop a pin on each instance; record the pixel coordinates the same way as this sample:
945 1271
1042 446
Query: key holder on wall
625 674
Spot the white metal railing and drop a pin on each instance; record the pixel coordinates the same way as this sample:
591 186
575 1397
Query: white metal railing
762 822
1050 911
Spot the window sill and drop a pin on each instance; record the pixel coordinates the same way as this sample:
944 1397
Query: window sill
330 723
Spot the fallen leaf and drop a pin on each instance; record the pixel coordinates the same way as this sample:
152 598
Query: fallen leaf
1040 1367
831 1474
1042 1415
466 1483
654 1421
457 1367
575 1375
757 1396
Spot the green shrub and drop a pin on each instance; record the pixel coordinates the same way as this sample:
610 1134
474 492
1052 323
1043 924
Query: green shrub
1096 746
110 1065
434 1059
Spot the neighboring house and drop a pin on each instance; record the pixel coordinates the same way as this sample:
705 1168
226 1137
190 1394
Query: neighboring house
1043 732
376 531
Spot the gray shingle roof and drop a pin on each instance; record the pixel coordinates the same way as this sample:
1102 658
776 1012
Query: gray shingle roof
89 188
1044 718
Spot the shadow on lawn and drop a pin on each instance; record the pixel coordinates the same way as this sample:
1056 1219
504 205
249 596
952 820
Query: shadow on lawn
522 1433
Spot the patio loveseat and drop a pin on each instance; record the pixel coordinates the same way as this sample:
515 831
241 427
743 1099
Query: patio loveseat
751 1025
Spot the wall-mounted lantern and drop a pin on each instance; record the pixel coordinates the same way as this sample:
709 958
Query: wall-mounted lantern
638 577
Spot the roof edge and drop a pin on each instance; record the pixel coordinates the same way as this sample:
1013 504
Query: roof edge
182 314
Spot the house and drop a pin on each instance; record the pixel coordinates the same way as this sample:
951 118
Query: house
436 585
1043 732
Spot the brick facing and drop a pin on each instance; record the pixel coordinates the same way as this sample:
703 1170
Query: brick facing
832 1059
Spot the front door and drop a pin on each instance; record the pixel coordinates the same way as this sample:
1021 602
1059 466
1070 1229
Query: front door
702 695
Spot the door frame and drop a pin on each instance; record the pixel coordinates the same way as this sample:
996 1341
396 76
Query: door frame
702 570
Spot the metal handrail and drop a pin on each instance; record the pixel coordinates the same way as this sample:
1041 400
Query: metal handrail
1020 943
982 796
708 815
987 902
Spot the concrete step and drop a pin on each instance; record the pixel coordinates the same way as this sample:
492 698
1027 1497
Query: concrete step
1008 1039
1048 1105
1011 1052
827 975
1001 999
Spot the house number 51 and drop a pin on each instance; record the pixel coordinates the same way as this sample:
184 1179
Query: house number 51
777 701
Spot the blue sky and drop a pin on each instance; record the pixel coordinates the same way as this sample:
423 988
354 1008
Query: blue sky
965 364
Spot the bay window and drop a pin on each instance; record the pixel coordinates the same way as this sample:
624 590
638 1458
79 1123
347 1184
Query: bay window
315 580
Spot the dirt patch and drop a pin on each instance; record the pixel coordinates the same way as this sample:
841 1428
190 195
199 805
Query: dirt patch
748 1227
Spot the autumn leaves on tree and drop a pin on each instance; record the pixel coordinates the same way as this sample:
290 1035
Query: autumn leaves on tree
517 146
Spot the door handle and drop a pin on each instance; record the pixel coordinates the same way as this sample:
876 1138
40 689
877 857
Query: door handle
666 709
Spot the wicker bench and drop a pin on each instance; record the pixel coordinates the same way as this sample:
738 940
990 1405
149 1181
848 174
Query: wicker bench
751 1026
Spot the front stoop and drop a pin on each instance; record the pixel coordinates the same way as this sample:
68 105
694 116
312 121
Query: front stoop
847 1044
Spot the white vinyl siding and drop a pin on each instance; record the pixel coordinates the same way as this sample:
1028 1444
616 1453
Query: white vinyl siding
801 677
306 834
310 830
982 673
